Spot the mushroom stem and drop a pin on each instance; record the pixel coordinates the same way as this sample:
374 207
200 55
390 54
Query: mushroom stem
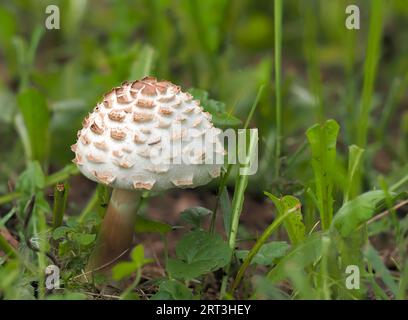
116 233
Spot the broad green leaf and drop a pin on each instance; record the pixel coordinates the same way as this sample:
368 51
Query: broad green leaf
195 215
31 179
198 252
303 255
358 211
322 140
144 225
268 253
172 290
294 222
36 116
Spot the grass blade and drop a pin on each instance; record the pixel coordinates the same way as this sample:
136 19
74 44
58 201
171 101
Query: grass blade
278 71
355 155
370 69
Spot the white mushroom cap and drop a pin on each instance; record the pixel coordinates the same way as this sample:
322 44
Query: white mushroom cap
148 134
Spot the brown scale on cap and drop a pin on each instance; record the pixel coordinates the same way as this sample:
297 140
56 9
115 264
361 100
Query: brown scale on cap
118 134
188 97
188 110
95 159
153 140
117 153
162 123
84 139
116 115
143 103
127 149
149 90
143 185
139 139
96 129
107 104
123 99
86 122
104 177
125 163
101 145
145 130
183 182
166 99
78 159
165 111
142 117
137 85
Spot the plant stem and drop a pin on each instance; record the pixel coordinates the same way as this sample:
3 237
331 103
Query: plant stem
278 71
225 177
60 203
133 285
370 69
237 202
117 230
399 183
255 249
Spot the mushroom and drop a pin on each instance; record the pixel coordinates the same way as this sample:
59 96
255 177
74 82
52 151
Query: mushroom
133 141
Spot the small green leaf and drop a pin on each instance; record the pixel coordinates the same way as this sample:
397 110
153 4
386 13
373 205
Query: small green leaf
137 256
172 290
268 253
198 252
84 239
144 225
60 232
294 222
124 269
195 215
